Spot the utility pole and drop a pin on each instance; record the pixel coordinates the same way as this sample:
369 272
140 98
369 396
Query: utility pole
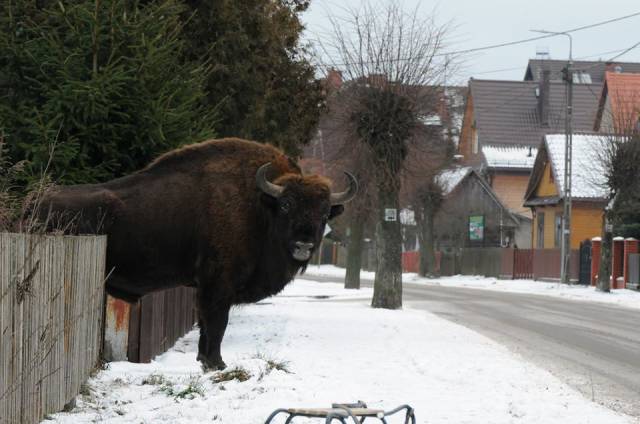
565 270
565 247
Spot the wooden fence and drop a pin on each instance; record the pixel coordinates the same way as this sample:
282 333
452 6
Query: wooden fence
481 261
51 313
536 264
158 320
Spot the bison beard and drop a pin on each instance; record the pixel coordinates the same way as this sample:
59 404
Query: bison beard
233 218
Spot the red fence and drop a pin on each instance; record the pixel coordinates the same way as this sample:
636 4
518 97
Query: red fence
522 263
410 261
536 264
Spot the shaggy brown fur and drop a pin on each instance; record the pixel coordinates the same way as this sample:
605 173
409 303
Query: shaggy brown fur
195 217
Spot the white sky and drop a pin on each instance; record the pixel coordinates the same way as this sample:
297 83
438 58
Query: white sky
485 22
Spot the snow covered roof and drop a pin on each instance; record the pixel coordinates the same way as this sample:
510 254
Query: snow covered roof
509 156
450 178
588 171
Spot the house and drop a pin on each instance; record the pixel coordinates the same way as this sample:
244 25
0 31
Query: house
504 122
584 71
473 216
545 191
507 169
619 105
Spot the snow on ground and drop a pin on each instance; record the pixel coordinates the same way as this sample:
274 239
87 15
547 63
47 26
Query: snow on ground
316 344
626 298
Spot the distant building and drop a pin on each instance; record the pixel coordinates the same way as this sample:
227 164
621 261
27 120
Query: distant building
473 216
585 71
545 191
619 105
504 121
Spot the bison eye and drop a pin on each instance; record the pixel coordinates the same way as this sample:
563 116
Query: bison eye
285 206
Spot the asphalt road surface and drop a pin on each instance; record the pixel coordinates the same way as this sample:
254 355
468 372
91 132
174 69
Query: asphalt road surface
593 347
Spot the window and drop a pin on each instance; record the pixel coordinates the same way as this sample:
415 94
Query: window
558 230
540 238
581 77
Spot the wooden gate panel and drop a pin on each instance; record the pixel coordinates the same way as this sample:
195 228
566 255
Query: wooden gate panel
523 264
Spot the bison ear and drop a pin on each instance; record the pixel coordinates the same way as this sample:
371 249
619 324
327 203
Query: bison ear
336 210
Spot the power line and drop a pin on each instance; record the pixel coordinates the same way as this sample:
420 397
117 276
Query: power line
515 68
540 37
625 51
492 46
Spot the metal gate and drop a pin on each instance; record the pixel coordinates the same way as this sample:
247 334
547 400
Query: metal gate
584 276
523 264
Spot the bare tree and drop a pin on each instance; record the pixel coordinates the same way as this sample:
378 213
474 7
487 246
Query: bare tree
389 58
620 156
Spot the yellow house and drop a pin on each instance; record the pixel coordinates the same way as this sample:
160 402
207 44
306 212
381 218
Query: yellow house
545 191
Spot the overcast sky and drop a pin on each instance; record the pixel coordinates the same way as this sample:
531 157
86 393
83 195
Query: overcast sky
485 22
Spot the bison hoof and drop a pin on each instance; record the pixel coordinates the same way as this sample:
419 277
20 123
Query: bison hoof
211 365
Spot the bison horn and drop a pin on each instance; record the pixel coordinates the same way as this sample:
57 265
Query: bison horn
269 188
345 196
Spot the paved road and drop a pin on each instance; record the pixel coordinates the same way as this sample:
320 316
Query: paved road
593 347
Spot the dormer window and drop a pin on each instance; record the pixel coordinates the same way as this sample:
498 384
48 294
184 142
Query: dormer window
581 77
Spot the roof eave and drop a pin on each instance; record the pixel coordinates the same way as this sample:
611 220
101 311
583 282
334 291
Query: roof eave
510 168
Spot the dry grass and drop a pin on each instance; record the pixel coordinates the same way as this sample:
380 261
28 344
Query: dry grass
237 373
20 206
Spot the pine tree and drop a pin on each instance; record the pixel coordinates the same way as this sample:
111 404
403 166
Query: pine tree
262 82
103 82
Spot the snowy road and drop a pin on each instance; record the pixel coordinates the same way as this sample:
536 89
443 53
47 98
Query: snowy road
593 347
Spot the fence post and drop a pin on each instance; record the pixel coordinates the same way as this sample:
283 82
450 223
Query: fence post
596 249
617 257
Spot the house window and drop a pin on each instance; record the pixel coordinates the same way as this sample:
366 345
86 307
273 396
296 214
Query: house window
558 230
540 238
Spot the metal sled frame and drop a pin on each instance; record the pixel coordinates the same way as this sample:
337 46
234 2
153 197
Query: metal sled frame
358 412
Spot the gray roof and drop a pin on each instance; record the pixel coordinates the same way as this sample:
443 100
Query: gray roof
595 69
506 112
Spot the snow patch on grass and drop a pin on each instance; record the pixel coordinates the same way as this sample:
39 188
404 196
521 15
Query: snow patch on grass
295 350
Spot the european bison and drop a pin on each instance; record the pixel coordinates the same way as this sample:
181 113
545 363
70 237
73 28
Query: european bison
233 218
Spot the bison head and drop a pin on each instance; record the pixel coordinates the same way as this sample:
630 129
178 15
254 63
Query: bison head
302 205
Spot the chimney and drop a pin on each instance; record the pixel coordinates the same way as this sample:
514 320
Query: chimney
334 79
543 98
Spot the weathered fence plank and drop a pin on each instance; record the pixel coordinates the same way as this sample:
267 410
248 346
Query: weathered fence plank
51 311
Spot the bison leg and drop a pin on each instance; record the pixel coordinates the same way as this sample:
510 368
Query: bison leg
213 322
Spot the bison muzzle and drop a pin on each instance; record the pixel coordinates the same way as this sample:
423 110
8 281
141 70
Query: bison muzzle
233 218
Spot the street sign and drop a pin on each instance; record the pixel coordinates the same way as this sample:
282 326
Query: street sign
390 215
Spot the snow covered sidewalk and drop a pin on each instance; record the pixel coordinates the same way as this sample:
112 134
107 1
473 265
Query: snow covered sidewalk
307 347
626 298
